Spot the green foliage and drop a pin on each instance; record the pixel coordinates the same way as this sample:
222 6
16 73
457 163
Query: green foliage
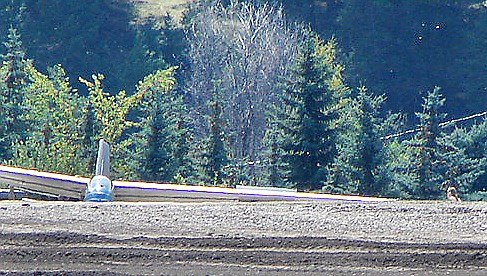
418 167
160 40
434 160
13 82
108 119
400 158
41 116
275 168
428 150
212 151
110 111
89 36
161 145
473 145
402 48
11 17
55 115
306 114
316 133
320 14
15 61
360 164
460 170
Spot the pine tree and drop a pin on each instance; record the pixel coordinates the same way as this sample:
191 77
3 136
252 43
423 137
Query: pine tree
13 82
307 112
428 163
274 167
436 160
467 160
460 170
399 166
476 147
416 164
162 143
359 166
213 153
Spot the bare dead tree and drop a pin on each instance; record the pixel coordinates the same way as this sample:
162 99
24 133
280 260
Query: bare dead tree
247 49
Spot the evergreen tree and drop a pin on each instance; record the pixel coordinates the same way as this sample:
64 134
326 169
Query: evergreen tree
416 164
403 178
460 170
434 159
359 166
12 14
159 41
467 160
403 47
86 37
212 151
162 143
13 82
428 163
308 111
275 169
476 147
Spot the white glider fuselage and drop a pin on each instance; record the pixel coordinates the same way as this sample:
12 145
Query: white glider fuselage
100 188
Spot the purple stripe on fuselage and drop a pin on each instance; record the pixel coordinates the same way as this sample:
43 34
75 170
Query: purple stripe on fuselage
44 175
238 192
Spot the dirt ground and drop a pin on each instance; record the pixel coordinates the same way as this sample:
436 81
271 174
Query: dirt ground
243 238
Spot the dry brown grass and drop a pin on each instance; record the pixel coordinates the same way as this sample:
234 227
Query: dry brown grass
159 8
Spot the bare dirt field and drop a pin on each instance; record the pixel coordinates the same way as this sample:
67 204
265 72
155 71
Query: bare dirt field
243 238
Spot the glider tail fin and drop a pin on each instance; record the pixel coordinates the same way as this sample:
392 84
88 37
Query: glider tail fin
100 187
103 159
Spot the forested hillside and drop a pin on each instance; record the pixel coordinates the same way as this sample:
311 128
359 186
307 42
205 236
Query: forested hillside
301 94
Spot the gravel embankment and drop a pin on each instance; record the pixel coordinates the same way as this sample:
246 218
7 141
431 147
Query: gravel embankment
269 238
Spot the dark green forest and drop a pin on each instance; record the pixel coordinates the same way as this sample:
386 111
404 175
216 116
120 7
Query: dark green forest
380 98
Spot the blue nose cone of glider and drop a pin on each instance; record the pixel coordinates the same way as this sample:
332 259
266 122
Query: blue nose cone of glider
99 189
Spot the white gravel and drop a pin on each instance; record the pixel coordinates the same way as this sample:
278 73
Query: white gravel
400 221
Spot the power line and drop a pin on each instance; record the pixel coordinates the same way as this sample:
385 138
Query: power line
14 107
464 118
395 135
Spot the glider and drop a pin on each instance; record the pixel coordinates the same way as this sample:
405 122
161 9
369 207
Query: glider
101 188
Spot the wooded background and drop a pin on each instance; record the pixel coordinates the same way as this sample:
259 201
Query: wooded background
284 93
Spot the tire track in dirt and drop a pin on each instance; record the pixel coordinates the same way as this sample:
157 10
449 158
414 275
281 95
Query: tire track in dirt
292 253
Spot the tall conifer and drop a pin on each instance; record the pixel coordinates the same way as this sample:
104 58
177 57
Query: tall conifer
13 82
306 114
466 160
428 162
359 166
213 153
162 143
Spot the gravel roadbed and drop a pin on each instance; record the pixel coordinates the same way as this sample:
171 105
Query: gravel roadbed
243 238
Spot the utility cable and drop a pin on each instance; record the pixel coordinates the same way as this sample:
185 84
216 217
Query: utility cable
444 124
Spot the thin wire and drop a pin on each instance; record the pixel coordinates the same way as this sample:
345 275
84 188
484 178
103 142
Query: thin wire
395 135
